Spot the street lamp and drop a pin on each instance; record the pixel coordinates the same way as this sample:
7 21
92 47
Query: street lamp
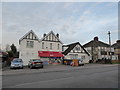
110 46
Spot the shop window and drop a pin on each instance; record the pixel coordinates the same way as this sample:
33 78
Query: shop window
73 56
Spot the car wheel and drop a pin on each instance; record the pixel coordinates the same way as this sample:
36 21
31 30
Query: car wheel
42 67
10 68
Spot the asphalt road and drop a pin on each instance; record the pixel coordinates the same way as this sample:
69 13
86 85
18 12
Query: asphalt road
88 76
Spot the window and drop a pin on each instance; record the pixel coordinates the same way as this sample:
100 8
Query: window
77 48
103 53
50 45
58 46
30 44
42 45
73 56
112 53
83 57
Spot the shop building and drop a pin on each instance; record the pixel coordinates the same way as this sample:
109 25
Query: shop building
49 48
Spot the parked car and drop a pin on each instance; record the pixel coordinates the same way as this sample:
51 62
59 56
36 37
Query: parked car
81 62
35 63
16 63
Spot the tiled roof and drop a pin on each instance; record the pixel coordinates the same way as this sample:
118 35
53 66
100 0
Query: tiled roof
96 44
71 46
117 44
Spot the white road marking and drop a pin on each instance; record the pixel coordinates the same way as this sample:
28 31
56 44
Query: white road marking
41 81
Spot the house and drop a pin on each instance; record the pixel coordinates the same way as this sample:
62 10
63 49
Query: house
75 51
29 47
116 47
98 49
48 48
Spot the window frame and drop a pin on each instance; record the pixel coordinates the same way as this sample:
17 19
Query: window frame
50 45
43 45
30 44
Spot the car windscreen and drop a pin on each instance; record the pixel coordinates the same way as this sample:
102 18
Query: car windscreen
17 60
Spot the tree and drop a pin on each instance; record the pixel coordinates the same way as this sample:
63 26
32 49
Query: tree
14 50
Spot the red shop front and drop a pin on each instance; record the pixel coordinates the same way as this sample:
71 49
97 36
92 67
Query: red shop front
50 56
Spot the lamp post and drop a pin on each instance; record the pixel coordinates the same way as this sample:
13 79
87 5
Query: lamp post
110 45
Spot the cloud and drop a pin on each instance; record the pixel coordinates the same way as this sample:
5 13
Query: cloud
73 21
67 5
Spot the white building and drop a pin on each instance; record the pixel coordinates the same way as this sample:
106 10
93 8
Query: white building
75 51
116 47
98 49
47 48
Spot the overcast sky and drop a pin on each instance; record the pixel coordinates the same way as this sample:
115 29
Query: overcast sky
74 21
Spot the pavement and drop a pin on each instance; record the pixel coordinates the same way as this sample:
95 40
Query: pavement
50 68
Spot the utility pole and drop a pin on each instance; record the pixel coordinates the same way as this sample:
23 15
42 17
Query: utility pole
110 46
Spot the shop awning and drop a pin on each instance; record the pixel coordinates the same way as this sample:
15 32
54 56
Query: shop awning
49 54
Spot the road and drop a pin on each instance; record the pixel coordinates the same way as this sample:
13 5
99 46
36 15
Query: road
88 76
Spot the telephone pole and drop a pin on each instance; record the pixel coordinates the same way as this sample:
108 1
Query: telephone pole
110 46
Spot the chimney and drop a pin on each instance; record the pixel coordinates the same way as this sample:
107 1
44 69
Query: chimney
95 38
57 35
44 35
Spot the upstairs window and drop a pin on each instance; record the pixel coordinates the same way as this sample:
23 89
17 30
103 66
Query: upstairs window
30 44
103 53
58 46
42 45
50 45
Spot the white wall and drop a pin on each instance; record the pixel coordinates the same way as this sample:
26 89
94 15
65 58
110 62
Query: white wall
99 52
64 48
54 46
80 55
29 53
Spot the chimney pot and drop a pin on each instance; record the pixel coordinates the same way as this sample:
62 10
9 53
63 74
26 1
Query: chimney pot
44 35
57 35
95 38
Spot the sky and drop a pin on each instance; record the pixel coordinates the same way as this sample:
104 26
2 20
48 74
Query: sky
74 21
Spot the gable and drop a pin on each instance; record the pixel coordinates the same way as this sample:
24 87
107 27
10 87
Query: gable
75 48
51 37
30 35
